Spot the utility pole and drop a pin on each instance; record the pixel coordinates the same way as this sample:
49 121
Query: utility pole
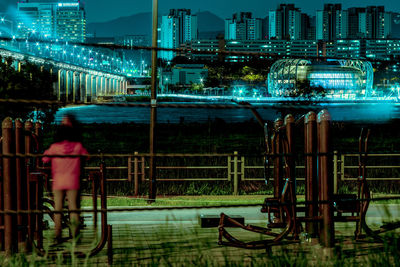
153 108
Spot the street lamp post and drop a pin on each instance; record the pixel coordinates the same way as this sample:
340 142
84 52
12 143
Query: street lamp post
153 109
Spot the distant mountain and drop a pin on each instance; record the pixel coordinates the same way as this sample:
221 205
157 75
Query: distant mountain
140 24
209 22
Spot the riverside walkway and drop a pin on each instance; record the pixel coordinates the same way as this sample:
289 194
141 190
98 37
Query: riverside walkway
174 237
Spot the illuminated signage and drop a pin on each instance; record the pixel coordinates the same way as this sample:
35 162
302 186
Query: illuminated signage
68 4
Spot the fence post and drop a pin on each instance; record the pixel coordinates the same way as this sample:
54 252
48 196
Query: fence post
335 172
8 193
29 193
21 182
143 169
327 230
135 174
129 169
342 167
235 173
242 177
229 168
311 179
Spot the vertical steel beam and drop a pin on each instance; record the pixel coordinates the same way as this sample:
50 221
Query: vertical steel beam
327 233
153 111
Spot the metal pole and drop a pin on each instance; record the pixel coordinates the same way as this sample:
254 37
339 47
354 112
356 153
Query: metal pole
290 161
9 228
28 165
311 182
277 148
21 181
153 109
326 180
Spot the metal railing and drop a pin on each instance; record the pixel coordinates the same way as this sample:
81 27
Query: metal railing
237 168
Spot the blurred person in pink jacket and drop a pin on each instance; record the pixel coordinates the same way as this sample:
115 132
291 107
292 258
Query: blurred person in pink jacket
66 172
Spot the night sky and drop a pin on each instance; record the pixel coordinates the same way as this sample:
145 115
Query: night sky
104 10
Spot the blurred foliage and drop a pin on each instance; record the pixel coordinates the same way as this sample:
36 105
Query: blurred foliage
304 89
28 81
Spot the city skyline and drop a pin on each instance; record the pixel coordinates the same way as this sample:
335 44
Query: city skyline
222 8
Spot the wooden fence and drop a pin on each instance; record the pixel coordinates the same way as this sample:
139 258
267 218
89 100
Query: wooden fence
236 168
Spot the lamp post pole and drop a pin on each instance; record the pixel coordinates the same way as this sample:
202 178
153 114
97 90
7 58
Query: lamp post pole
153 108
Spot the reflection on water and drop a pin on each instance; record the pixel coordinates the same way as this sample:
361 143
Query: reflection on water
359 112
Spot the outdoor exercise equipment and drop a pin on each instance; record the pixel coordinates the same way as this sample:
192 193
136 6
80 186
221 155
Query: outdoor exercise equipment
22 183
322 207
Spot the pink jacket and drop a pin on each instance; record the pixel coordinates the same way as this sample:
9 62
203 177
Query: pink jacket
65 171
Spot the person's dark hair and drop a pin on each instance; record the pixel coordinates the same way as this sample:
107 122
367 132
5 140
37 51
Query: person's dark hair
65 133
69 130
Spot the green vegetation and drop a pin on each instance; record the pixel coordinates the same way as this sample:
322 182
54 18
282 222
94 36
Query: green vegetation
305 90
204 200
225 74
27 81
184 245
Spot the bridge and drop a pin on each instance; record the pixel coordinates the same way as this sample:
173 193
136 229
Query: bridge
84 73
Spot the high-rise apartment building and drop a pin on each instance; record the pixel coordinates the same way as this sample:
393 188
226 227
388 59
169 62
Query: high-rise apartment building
332 23
243 26
64 20
177 28
354 24
285 23
375 23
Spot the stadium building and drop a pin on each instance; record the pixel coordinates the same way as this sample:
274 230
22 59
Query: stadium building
345 79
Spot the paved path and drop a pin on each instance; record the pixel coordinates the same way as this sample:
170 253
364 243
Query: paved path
376 213
174 237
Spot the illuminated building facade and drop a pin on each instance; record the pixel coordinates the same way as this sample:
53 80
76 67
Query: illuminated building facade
375 23
243 26
332 23
179 27
285 22
62 20
346 79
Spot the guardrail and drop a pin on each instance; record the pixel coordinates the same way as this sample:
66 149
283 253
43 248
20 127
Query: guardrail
238 168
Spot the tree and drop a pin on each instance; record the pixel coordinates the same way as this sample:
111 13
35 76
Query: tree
305 90
28 83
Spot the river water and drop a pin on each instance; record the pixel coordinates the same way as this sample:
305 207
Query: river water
356 112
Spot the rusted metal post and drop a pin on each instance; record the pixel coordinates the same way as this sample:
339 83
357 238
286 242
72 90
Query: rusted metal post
95 184
277 153
39 206
311 179
290 161
38 134
109 245
21 183
103 199
8 177
327 234
28 164
153 109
